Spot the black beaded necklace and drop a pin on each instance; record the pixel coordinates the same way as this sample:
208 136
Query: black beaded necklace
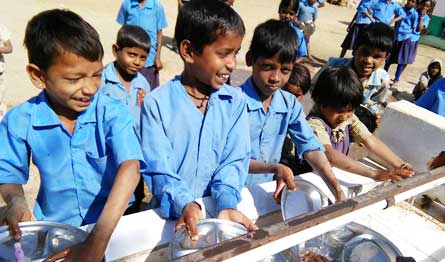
202 99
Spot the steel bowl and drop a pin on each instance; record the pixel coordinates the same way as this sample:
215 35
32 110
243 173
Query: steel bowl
211 232
40 239
306 198
369 248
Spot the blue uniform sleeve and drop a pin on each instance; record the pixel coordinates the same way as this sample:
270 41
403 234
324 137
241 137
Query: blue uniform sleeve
399 11
14 156
364 6
315 15
166 185
121 136
302 47
428 99
161 21
230 176
122 15
301 132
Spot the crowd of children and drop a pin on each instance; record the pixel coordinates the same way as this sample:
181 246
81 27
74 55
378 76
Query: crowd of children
196 136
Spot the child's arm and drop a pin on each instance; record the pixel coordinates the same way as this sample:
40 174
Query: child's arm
158 64
352 22
17 209
93 248
284 175
161 23
231 174
320 164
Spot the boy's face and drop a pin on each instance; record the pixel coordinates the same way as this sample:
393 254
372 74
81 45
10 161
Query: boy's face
287 14
269 74
434 70
217 61
410 4
367 60
335 116
311 2
70 83
130 60
295 90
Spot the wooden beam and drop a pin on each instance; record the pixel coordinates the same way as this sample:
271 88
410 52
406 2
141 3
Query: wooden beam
239 245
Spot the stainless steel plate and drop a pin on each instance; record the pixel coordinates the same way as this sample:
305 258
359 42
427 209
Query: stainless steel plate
369 248
211 232
40 239
307 197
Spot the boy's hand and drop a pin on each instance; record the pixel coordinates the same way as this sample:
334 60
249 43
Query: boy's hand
396 174
339 196
17 211
312 257
158 64
285 177
237 217
189 218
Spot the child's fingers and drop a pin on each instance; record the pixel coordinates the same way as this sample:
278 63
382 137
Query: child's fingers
14 228
192 229
278 191
59 255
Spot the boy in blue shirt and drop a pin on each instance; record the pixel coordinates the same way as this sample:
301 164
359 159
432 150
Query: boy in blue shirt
194 135
386 11
122 81
148 14
82 143
273 112
306 16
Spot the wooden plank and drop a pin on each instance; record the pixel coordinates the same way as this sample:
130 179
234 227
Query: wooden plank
279 230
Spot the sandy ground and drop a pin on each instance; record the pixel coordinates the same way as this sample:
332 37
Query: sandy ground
331 29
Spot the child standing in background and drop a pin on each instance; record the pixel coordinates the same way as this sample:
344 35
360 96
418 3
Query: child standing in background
5 48
122 81
194 127
148 14
337 93
307 14
287 11
273 112
404 50
386 11
83 143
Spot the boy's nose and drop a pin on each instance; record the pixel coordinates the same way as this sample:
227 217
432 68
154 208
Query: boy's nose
91 84
231 64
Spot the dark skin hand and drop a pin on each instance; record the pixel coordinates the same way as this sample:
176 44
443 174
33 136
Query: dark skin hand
190 216
312 257
17 209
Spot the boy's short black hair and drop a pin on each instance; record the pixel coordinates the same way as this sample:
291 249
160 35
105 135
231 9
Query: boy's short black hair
52 32
202 22
338 87
301 77
272 37
133 36
376 36
294 4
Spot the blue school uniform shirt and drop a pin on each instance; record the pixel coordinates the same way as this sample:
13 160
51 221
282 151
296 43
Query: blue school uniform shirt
151 17
268 129
302 48
77 171
362 8
405 27
306 1
190 155
434 98
382 11
307 12
415 36
112 86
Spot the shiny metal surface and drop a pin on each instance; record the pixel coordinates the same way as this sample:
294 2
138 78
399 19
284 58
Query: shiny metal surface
40 239
211 231
307 197
350 243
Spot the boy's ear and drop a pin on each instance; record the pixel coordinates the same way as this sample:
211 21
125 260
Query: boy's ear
115 48
36 75
186 51
249 58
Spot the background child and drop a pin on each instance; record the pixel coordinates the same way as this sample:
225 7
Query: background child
194 127
422 10
273 112
434 98
403 51
362 17
287 11
307 14
121 80
337 93
5 48
386 11
70 134
148 14
373 44
427 78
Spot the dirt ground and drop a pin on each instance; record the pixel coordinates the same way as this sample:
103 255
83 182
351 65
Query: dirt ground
331 29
